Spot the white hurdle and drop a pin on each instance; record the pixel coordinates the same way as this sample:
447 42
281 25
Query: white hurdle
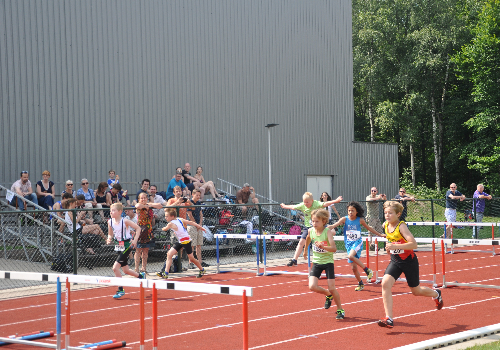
127 282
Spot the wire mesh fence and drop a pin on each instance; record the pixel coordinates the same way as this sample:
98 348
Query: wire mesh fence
44 241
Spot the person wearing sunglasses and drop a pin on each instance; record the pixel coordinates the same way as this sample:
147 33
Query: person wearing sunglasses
372 212
452 197
23 188
403 198
90 200
69 189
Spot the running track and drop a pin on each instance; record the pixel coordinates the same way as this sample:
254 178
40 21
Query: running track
283 314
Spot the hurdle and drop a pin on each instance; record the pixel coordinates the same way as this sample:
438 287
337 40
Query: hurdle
375 279
126 282
239 236
459 224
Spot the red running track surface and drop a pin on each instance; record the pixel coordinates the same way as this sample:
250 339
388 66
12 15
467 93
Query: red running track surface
283 313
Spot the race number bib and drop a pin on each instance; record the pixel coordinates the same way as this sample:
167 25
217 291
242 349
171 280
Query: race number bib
353 235
120 247
319 250
397 251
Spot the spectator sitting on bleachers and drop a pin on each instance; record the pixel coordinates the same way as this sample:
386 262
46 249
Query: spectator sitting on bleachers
69 189
176 182
115 179
113 196
189 180
144 188
243 195
204 185
87 229
156 198
90 201
58 206
23 188
178 201
80 204
45 191
100 198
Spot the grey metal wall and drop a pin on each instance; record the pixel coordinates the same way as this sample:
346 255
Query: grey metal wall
145 86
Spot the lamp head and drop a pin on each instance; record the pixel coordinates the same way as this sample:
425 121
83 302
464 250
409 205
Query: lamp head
271 125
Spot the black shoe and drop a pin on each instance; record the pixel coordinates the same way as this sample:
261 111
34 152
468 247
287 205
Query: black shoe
439 300
204 264
385 322
292 262
328 301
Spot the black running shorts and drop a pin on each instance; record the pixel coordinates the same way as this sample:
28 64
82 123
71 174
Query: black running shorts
317 269
188 248
122 258
409 267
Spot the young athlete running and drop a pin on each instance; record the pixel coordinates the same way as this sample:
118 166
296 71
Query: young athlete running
352 239
306 207
323 247
119 228
403 260
179 225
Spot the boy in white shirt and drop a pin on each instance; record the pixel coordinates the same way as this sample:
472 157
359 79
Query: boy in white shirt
119 228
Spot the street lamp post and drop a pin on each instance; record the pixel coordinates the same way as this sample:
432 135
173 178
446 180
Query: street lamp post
269 126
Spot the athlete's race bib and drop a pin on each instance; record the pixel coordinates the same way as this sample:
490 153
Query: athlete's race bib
353 235
317 249
397 251
120 247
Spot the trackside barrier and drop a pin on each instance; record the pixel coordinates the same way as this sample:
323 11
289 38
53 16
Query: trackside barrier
126 282
433 241
460 224
452 338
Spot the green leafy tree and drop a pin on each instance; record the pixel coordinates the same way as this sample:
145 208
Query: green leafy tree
479 63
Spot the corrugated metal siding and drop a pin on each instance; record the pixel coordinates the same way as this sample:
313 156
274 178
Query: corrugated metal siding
145 86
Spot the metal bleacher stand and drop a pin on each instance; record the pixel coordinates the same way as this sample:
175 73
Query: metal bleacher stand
27 228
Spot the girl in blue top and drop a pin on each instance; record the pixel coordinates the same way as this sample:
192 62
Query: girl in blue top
352 239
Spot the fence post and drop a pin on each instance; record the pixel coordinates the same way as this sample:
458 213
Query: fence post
475 229
432 217
179 254
260 231
75 240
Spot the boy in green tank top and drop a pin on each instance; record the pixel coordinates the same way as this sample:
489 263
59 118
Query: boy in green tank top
323 247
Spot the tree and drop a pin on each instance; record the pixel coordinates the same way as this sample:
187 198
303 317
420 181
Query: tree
479 63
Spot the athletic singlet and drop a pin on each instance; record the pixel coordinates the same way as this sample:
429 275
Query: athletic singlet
181 232
397 237
69 222
352 230
320 256
118 230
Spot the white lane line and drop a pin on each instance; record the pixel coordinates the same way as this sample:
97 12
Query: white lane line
365 324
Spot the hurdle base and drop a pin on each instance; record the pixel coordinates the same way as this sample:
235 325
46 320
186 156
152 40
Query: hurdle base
471 285
34 343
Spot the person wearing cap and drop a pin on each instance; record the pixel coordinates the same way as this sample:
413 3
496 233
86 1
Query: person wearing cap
23 188
243 195
176 181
